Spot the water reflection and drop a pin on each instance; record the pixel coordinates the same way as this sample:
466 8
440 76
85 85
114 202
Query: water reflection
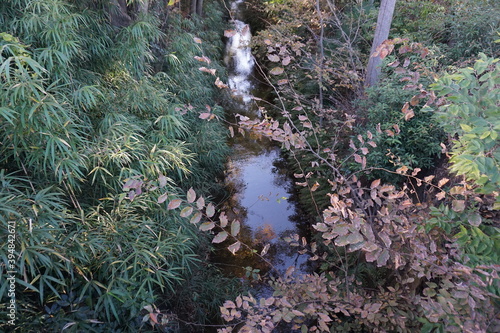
258 187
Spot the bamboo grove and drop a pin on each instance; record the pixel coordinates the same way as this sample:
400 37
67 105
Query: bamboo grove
86 105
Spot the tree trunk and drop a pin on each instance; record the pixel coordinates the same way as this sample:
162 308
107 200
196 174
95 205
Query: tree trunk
143 7
118 13
381 34
199 7
193 7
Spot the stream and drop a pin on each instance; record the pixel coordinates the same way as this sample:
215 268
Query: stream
257 182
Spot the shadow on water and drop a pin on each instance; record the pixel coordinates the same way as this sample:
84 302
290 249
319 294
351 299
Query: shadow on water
256 178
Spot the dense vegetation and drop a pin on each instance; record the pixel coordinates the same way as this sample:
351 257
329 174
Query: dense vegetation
112 141
85 107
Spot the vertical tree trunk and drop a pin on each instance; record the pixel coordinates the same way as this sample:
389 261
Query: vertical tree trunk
193 7
143 7
199 7
118 13
384 22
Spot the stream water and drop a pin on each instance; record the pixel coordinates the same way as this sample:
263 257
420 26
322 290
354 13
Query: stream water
259 188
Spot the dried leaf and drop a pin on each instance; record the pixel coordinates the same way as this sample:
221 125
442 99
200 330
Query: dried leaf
162 198
174 204
315 187
286 61
441 195
375 183
196 218
321 227
186 211
207 226
383 258
233 248
273 57
223 221
200 203
191 195
276 71
197 40
202 59
210 211
443 182
208 70
265 249
220 84
220 237
410 114
235 228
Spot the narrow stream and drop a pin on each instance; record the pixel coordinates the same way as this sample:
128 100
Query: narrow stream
259 188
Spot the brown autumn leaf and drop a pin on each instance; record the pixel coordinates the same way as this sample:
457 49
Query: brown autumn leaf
162 198
205 115
220 84
210 210
207 226
375 183
410 114
174 204
286 61
442 182
315 187
208 70
235 228
441 195
186 211
197 40
220 237
233 248
273 58
415 100
202 59
200 203
229 33
191 195
276 71
196 218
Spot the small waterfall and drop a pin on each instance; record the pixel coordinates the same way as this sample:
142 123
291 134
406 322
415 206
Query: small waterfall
239 58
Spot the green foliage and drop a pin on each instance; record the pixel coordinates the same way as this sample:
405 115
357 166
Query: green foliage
82 113
471 112
398 140
460 28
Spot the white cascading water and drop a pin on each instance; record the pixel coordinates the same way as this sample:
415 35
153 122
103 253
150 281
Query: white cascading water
239 57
